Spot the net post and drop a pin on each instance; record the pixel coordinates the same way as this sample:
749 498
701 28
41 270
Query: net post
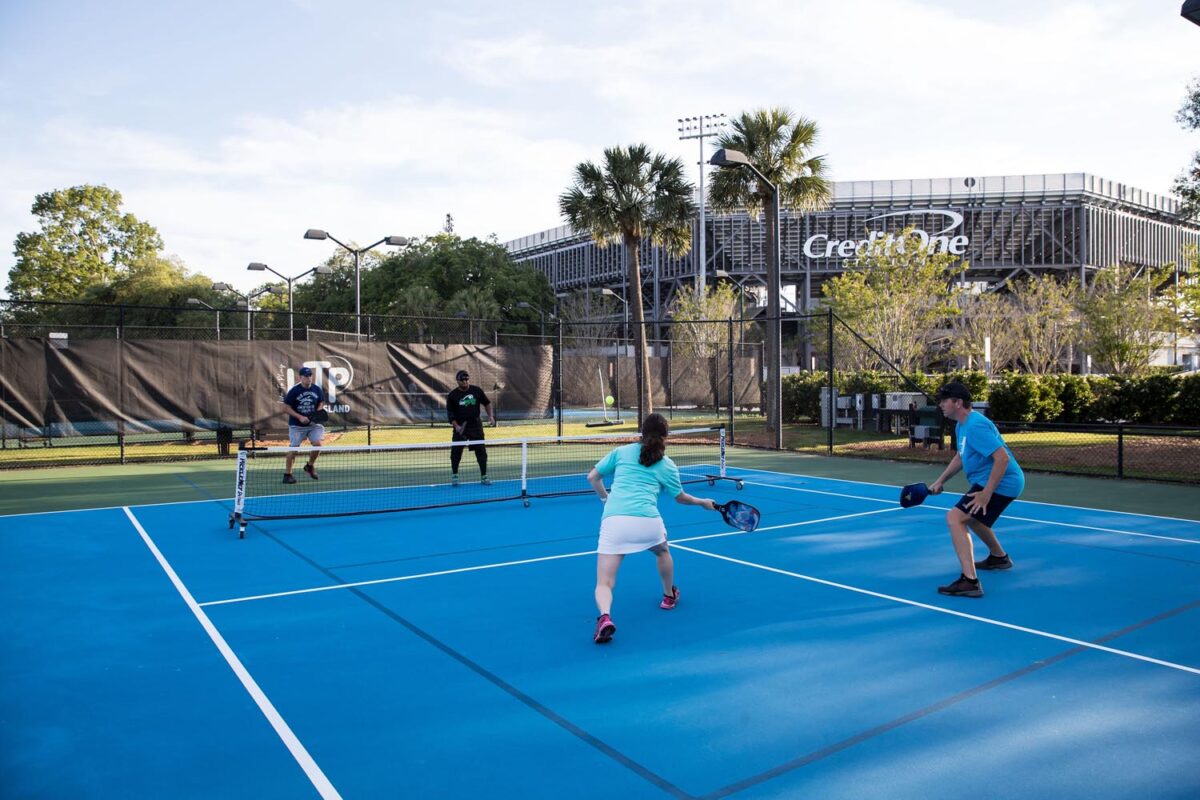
525 472
239 493
722 451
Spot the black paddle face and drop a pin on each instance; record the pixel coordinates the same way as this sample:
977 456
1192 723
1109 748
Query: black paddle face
319 416
742 516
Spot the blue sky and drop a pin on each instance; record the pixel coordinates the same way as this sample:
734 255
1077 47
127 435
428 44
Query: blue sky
233 127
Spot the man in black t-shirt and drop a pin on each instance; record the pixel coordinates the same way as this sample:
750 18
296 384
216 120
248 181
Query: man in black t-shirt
462 410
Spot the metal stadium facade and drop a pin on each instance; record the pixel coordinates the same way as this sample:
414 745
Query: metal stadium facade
1004 227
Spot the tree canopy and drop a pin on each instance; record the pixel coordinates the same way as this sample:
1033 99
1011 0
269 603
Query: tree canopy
85 240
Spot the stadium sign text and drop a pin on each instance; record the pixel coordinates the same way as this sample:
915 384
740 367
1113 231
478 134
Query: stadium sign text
821 246
332 379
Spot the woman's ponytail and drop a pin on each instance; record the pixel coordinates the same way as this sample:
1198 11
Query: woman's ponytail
654 440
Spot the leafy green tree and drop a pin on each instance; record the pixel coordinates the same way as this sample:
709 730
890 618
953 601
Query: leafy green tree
447 265
983 317
1183 296
151 280
896 294
1187 184
85 240
1046 320
1125 320
635 194
698 323
416 305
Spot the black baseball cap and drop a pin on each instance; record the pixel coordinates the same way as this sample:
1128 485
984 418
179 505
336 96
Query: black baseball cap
954 390
305 371
461 375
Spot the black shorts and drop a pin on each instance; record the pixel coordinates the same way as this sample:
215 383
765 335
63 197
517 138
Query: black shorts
995 506
469 434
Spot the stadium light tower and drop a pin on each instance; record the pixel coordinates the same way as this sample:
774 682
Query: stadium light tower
735 159
393 241
700 128
195 301
247 299
257 266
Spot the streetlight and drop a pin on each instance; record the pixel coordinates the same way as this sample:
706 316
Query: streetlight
247 298
320 270
735 159
694 128
541 315
393 241
195 301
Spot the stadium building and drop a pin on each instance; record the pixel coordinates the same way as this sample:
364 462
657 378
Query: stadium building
1005 227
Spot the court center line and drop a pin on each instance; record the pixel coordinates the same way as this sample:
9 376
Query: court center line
1006 516
940 610
315 775
477 568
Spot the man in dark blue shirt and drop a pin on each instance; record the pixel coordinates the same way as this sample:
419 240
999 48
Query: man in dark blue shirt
301 401
463 405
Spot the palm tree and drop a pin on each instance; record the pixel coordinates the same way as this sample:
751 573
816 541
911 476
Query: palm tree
780 145
636 194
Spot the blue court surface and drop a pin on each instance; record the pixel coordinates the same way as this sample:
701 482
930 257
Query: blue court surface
448 654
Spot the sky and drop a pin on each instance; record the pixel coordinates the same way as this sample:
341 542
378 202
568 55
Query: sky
233 127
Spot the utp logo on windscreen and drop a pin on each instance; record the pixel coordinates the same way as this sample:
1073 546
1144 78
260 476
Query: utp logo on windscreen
330 376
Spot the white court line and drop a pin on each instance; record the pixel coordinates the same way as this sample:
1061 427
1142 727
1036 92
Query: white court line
1006 516
940 610
298 751
377 581
397 579
1032 502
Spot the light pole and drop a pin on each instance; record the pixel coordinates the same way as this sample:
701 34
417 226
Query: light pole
734 159
610 293
247 298
699 128
259 267
394 241
195 301
541 316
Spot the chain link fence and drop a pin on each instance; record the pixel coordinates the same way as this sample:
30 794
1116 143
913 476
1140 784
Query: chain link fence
74 379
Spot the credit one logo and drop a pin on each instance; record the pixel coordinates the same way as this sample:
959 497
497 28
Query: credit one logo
331 378
821 246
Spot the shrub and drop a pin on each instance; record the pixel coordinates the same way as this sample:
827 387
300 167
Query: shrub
1075 394
1152 398
1187 402
802 396
1024 398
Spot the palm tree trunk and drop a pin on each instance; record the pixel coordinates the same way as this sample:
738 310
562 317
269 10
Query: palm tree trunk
634 301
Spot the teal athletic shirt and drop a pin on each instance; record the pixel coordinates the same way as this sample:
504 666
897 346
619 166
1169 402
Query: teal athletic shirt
977 438
635 489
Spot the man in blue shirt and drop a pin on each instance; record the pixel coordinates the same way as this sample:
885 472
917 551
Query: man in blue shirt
302 400
996 480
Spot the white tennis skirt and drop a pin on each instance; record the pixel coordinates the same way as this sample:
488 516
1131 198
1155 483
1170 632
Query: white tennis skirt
620 535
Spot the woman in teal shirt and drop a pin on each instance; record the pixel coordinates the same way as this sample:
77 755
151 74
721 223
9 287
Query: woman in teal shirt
631 523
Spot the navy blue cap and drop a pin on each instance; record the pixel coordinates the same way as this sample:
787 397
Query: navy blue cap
305 371
913 495
462 373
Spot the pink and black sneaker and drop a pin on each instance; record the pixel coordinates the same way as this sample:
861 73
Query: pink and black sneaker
669 600
605 628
